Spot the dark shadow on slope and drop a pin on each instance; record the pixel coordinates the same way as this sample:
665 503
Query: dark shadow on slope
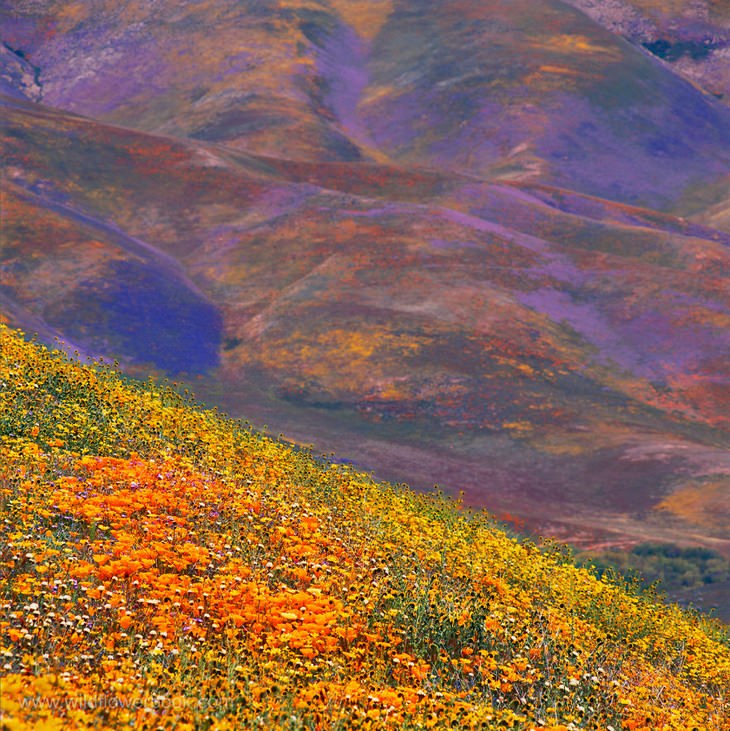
145 314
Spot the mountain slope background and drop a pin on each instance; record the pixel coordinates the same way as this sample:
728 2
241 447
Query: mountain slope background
482 244
693 38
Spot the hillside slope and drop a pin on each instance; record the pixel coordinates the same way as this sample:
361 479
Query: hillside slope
532 89
692 38
558 357
164 566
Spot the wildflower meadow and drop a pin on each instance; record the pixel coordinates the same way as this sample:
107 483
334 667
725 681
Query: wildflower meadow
165 567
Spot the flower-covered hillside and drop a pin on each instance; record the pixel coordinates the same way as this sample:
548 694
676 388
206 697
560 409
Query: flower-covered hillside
162 566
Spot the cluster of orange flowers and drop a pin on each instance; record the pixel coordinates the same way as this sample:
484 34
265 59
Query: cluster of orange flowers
164 567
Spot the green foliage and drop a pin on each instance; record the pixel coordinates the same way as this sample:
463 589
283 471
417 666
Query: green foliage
668 566
681 573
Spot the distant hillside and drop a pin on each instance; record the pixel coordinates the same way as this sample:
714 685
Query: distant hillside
530 89
692 38
164 566
558 357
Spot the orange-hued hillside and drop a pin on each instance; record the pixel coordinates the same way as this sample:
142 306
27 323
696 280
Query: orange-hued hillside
165 567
